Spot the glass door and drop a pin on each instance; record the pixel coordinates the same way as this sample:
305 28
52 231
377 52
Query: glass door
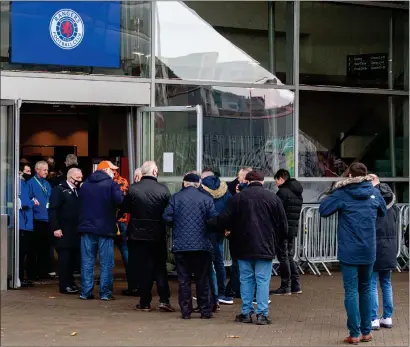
172 137
9 191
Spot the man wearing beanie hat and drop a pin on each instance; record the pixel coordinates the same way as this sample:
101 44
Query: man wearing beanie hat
187 212
257 222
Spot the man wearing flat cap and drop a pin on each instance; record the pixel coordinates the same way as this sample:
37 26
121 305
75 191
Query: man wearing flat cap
187 212
257 222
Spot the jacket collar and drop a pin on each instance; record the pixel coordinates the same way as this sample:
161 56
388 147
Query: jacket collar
149 178
255 184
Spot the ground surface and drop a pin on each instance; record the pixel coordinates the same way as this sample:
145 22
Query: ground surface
41 316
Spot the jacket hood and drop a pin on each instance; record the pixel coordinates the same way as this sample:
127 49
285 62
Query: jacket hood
214 186
359 188
293 185
387 194
98 176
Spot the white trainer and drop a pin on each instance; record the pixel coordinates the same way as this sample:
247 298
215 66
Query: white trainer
375 324
386 323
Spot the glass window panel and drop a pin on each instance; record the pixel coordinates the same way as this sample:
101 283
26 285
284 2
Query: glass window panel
336 129
330 32
241 126
135 43
224 41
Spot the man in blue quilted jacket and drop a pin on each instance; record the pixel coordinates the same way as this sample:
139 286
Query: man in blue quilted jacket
187 212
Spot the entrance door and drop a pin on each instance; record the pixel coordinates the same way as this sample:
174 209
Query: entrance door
9 191
172 137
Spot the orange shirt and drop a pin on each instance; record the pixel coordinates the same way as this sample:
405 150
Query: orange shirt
123 183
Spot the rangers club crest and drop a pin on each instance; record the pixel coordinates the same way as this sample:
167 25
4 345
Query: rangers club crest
66 29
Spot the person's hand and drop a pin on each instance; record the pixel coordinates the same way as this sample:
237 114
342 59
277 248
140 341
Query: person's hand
237 188
227 232
58 233
36 202
375 180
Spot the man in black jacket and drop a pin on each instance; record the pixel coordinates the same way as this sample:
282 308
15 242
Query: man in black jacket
63 215
257 222
290 192
147 247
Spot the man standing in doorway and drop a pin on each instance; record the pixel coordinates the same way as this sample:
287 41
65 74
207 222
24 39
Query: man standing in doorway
290 192
257 222
147 246
63 214
40 189
100 197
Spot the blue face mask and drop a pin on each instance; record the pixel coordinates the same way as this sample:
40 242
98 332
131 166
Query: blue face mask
242 186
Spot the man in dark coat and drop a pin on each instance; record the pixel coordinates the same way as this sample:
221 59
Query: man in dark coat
100 197
358 204
290 192
257 222
63 215
386 257
187 211
147 246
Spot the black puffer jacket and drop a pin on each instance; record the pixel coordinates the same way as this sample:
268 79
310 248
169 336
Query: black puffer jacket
146 202
257 222
386 233
290 193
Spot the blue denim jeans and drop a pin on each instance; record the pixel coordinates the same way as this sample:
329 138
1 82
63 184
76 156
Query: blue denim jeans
122 244
387 293
358 298
256 272
218 261
213 285
90 244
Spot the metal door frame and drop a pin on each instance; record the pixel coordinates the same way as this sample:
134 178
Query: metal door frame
135 143
16 105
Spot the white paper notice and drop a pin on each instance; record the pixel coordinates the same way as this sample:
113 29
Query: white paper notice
168 162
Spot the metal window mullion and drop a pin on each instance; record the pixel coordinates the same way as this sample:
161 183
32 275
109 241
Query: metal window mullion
16 123
199 138
296 52
153 52
335 89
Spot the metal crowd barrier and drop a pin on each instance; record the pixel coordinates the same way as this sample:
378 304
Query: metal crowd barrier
402 250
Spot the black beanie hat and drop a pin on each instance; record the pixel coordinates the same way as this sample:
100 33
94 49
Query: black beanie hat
255 175
191 177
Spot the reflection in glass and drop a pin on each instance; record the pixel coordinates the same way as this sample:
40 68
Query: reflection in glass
194 44
335 31
241 126
336 129
135 43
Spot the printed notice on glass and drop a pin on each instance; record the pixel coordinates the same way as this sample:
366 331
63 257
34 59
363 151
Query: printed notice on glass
168 162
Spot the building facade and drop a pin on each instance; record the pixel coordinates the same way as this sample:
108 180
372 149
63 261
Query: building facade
307 86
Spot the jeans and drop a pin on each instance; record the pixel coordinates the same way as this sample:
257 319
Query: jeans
213 284
218 261
358 298
288 270
256 272
122 244
197 263
90 244
385 284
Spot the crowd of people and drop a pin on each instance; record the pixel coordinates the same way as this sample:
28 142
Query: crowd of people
81 219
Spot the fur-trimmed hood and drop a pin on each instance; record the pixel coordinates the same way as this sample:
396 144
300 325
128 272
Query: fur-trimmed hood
214 186
387 194
359 188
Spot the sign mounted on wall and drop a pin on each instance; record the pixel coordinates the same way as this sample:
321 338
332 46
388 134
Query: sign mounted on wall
68 33
367 66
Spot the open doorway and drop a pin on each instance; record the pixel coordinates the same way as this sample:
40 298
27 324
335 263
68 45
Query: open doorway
91 132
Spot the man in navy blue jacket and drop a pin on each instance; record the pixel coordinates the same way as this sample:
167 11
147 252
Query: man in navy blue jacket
40 189
358 204
99 198
187 211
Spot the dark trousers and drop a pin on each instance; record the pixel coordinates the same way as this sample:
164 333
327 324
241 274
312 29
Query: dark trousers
233 288
43 237
26 251
66 267
199 264
148 261
288 270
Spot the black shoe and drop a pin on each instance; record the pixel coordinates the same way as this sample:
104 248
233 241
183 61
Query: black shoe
166 307
90 297
143 308
208 316
108 298
74 286
244 318
69 290
216 308
262 320
280 291
185 317
26 283
131 292
296 290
